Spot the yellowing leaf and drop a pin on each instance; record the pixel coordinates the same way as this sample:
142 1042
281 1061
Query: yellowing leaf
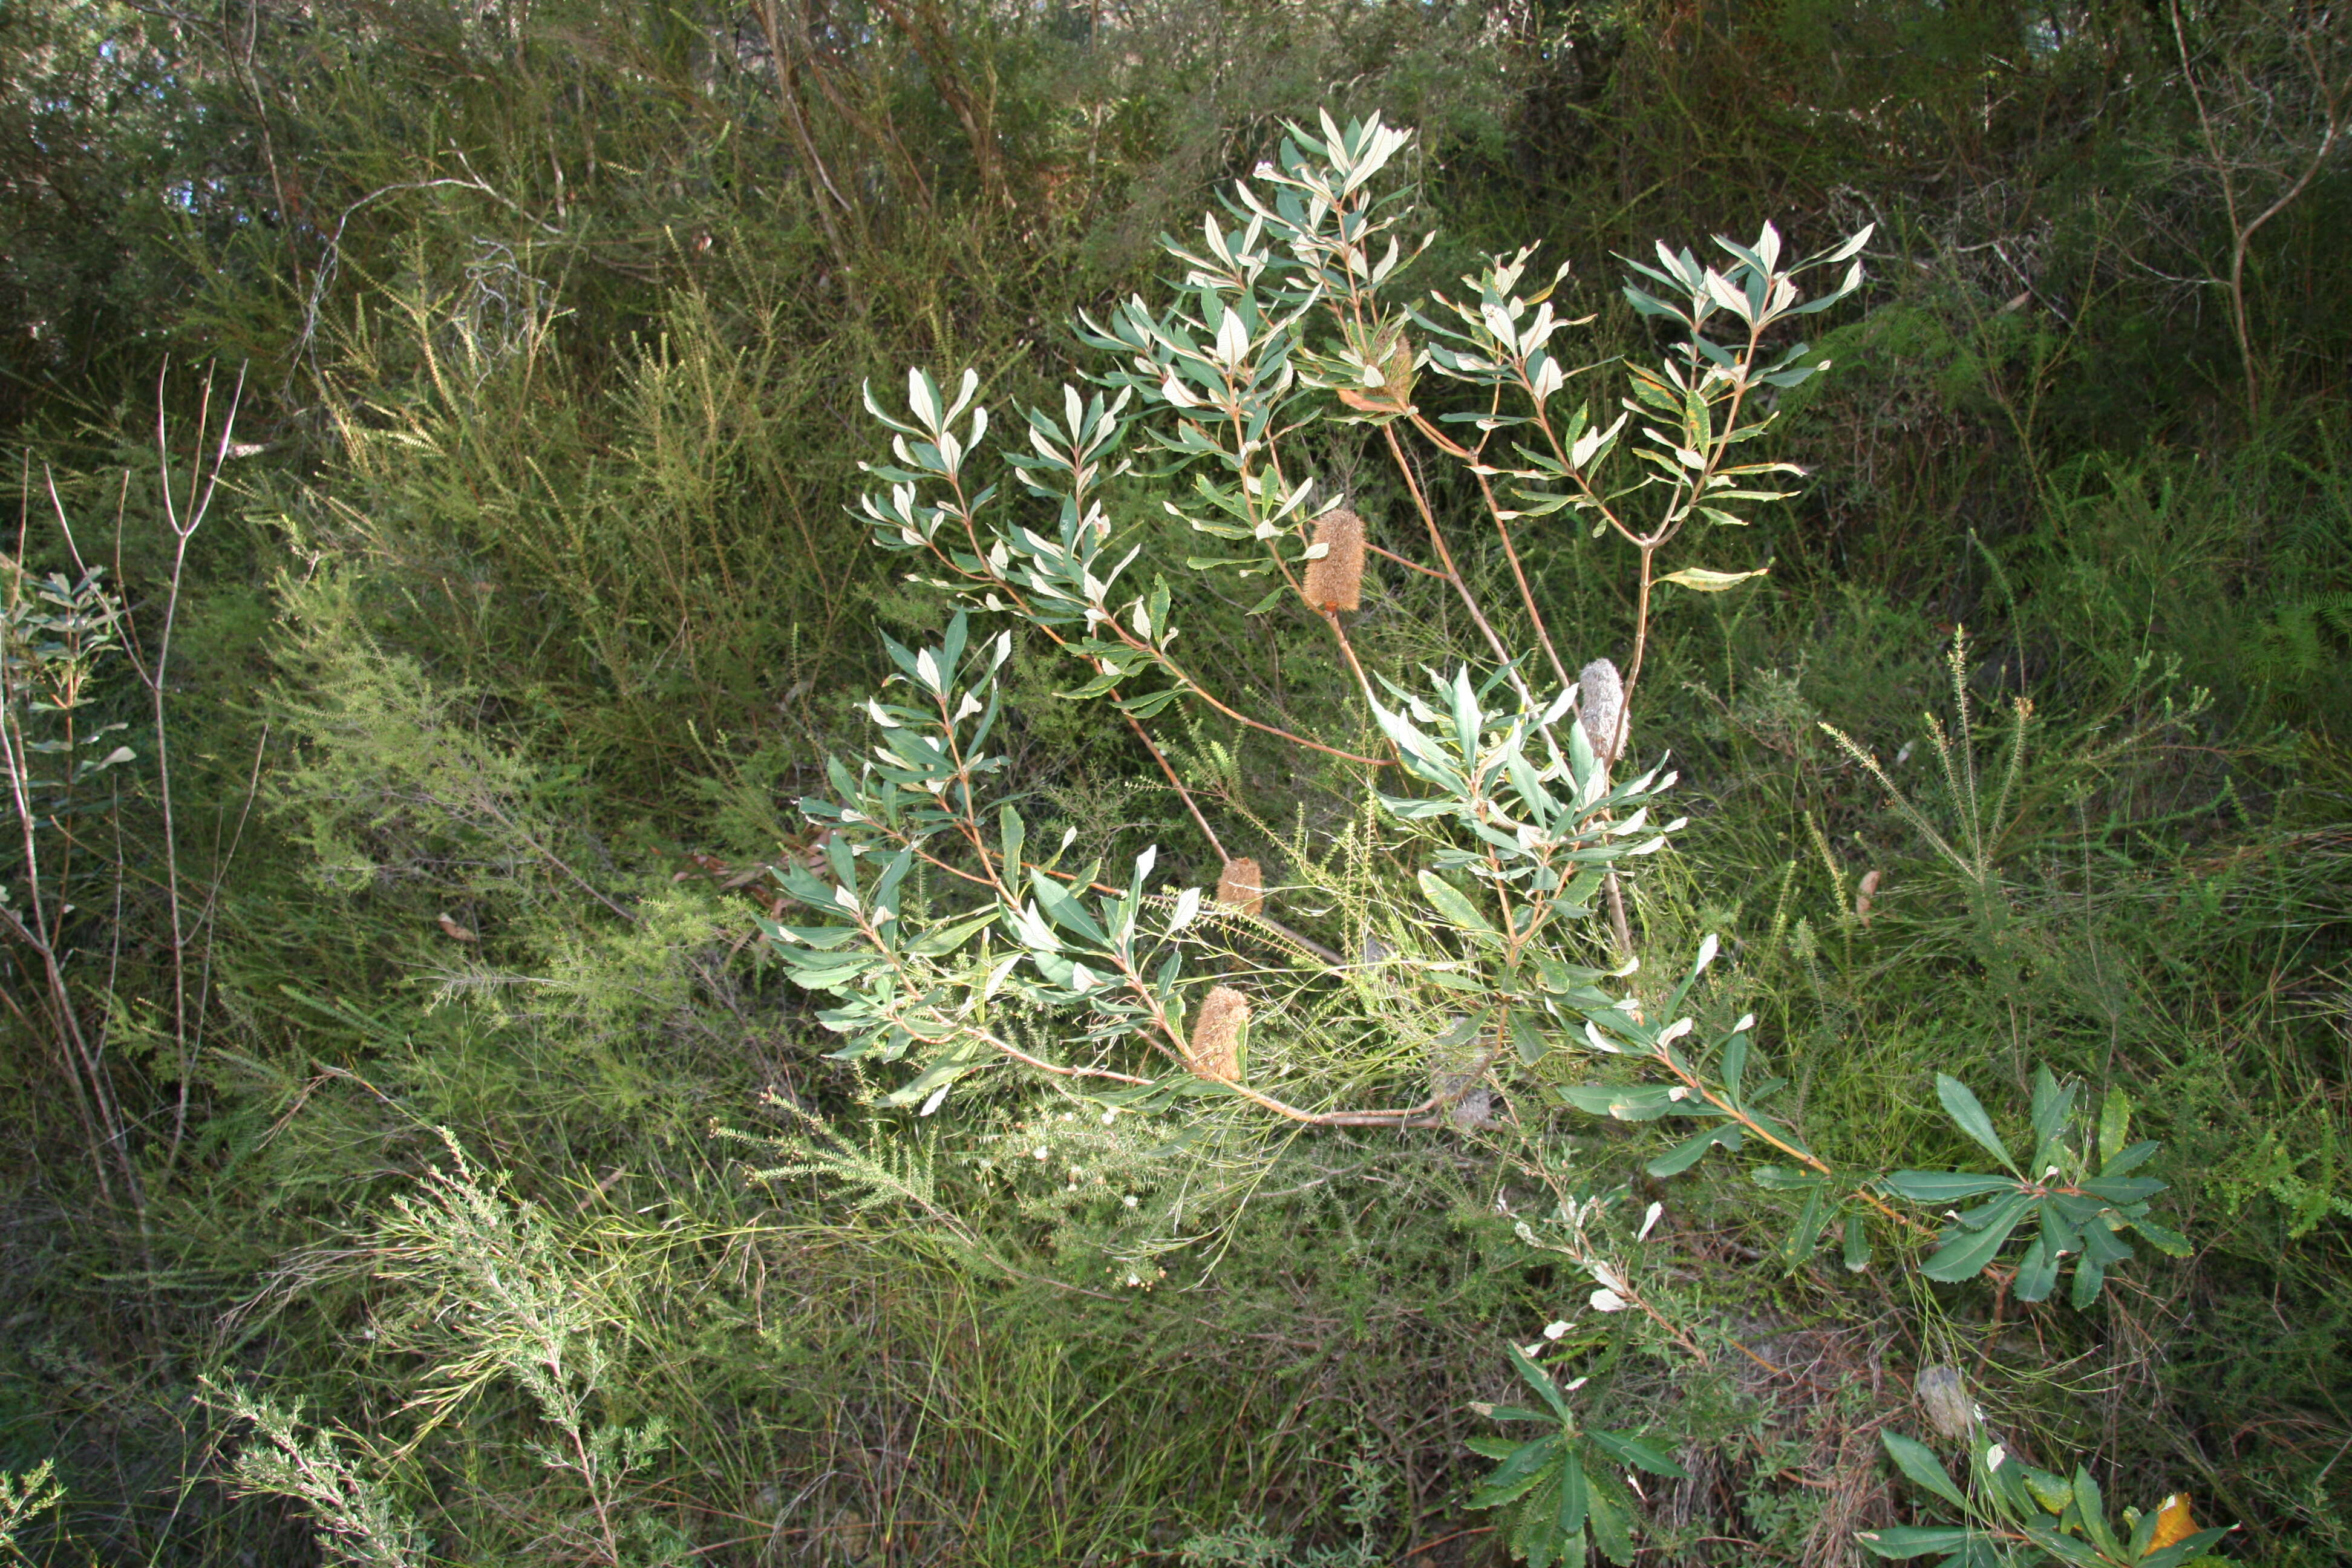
2173 1524
1701 580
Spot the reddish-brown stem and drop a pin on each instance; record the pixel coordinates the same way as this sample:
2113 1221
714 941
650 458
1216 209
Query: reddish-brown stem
1503 531
1452 573
1408 566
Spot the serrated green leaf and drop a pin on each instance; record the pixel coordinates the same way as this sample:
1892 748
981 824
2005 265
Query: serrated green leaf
2090 1277
1961 1104
1611 1519
1963 1255
2115 1125
1690 1150
1527 1465
2169 1242
1526 1036
1806 1238
1857 1245
1912 1540
1638 1453
1919 1461
2184 1550
1534 1377
1944 1186
2037 1271
1575 1497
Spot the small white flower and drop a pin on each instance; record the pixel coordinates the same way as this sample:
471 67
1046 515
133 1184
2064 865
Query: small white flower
1572 1388
1530 1351
1039 1153
1649 1220
1128 1200
1553 1331
1607 1300
1109 1117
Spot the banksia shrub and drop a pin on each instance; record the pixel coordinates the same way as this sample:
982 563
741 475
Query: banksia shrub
1335 580
1241 886
1215 1050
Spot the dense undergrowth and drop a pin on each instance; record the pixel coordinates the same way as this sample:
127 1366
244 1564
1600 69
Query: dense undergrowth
410 1147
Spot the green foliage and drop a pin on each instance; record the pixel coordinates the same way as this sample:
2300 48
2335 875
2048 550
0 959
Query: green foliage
22 1498
534 601
1520 827
2034 1515
1565 1483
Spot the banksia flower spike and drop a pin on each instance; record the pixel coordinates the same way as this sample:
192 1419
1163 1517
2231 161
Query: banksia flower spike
1215 1050
1335 580
1241 886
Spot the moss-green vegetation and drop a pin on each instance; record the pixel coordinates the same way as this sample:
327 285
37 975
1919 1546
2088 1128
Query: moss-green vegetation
411 1154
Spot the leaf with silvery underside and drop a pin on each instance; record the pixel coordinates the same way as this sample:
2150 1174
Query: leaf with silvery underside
1628 1102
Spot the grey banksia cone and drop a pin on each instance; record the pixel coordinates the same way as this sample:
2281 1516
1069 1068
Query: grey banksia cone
1601 704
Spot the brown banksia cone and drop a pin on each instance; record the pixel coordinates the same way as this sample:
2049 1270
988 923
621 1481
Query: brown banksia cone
1215 1050
1241 886
1336 580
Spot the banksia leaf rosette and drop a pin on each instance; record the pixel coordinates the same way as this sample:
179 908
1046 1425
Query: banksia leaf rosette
1335 580
1387 358
1241 886
1215 1049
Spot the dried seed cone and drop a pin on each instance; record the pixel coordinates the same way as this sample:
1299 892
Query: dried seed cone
1336 581
1945 1397
1215 1050
1241 886
1601 701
